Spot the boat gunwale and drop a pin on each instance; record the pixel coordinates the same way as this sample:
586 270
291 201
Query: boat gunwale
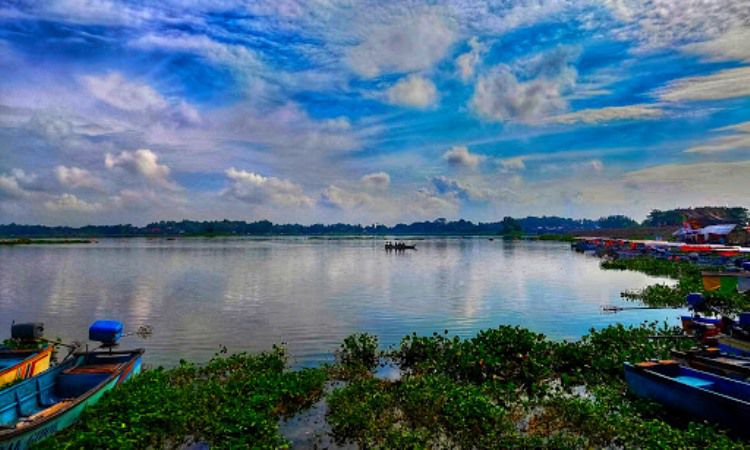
722 397
10 433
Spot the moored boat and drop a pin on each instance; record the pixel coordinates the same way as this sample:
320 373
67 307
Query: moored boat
19 364
697 393
43 405
29 358
714 361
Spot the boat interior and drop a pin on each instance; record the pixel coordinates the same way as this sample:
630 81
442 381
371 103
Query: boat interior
9 358
696 378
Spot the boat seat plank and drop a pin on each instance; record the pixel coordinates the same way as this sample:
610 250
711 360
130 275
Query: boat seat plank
26 421
94 369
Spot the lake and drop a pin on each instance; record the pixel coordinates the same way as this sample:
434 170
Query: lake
247 294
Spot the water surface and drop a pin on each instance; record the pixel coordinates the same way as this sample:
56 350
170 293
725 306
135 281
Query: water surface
248 294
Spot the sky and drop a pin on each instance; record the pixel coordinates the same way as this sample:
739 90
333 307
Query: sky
370 112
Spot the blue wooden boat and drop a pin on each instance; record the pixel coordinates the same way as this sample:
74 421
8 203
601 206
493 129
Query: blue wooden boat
700 394
43 405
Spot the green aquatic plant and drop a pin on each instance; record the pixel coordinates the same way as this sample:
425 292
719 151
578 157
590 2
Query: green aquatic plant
230 402
506 387
689 279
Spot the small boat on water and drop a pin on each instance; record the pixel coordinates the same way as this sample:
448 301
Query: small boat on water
700 394
715 361
21 363
38 407
398 246
41 406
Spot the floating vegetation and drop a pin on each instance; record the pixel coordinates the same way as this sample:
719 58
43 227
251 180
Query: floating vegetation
506 387
688 276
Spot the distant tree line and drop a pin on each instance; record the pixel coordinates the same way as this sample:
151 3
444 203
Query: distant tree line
441 226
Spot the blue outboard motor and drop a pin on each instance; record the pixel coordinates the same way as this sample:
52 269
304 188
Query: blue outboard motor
744 319
696 301
108 332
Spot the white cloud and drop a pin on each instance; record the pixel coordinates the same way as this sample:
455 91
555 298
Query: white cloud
226 54
336 197
254 188
656 24
142 162
10 185
69 202
730 46
529 91
459 156
449 186
609 114
512 164
414 90
415 41
75 177
728 83
467 62
113 89
377 180
738 139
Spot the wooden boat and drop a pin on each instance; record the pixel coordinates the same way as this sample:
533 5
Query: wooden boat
18 364
715 361
700 394
43 405
734 345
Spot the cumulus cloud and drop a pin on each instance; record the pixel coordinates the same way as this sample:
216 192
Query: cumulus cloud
11 185
459 156
467 62
254 188
444 185
529 91
142 162
512 164
71 203
414 90
377 180
728 83
609 114
336 197
75 177
737 139
415 41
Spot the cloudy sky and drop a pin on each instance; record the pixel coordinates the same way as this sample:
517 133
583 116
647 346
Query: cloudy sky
326 111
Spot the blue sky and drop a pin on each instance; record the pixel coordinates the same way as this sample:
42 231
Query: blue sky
327 111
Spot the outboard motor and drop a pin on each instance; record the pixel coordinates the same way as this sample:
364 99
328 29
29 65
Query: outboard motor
696 301
27 331
107 332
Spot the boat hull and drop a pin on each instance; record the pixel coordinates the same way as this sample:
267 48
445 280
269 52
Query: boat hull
25 437
695 401
31 366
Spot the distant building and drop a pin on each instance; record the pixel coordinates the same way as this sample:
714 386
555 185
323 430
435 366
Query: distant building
726 234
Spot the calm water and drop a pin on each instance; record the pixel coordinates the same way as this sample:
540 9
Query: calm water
248 294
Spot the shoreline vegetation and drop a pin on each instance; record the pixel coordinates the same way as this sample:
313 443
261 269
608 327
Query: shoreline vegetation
26 241
657 224
506 387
